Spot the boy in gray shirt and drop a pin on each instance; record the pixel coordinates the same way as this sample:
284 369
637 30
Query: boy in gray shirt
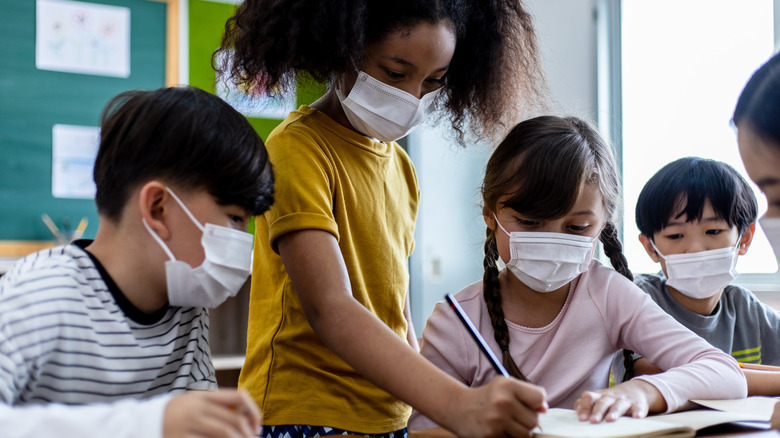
696 216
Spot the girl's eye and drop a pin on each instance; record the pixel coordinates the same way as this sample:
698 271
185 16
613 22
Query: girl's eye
394 74
579 228
436 81
527 223
239 220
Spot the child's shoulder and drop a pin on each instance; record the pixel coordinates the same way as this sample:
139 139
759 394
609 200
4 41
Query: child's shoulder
740 296
51 271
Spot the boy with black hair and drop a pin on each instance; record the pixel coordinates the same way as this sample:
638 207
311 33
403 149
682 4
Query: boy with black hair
102 338
696 216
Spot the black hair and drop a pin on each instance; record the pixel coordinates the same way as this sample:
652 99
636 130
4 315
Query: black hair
495 74
185 136
759 103
543 165
684 185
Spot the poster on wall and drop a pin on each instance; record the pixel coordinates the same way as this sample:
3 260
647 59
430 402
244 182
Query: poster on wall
80 37
254 102
74 149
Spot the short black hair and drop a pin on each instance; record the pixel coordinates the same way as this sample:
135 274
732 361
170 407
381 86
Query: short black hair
187 137
694 180
759 102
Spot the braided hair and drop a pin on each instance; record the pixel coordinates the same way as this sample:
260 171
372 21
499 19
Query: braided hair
540 169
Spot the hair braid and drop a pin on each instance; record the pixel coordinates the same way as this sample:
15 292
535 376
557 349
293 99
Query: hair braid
493 300
614 250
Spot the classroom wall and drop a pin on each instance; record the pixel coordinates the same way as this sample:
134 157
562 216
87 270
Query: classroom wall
450 230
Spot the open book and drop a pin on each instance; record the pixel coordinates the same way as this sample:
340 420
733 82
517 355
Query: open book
563 423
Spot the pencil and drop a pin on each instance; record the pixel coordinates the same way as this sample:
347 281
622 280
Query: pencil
477 337
755 366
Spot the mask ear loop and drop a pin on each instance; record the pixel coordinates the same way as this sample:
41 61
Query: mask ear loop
186 210
500 226
656 250
158 240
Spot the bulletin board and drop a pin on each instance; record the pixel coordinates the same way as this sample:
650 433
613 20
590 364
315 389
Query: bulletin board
33 100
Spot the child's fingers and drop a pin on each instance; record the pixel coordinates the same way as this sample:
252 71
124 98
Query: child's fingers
251 410
530 395
584 405
225 419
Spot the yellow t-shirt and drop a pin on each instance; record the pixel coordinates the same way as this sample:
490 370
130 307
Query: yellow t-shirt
365 193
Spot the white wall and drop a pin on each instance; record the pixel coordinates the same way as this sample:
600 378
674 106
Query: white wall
450 230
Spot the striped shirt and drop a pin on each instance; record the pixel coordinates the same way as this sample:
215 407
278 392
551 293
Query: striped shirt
68 335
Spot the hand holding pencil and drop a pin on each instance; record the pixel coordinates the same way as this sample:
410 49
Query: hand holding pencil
505 406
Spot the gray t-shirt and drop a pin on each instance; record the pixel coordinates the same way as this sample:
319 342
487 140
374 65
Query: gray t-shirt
740 325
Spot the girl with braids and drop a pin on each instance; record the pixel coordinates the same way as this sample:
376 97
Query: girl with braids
555 315
331 349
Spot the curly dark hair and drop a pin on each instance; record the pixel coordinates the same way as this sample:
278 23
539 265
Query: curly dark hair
495 75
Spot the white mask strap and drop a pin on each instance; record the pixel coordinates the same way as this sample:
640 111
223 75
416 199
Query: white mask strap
656 249
159 240
500 226
184 207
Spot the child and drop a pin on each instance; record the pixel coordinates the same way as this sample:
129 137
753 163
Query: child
557 316
696 216
758 136
101 338
331 348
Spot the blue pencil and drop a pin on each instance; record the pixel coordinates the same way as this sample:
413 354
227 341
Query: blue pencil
497 365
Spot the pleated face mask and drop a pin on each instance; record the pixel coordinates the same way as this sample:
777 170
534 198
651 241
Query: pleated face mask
225 268
382 111
701 274
547 261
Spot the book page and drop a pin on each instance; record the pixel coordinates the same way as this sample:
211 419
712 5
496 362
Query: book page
563 423
762 407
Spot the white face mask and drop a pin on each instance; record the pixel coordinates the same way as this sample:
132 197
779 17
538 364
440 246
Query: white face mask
225 268
547 261
771 227
701 274
383 111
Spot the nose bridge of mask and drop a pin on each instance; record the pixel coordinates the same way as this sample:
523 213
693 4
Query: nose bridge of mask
186 210
409 106
546 246
227 247
699 256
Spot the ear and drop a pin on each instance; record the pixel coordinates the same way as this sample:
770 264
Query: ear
153 201
489 217
648 245
746 239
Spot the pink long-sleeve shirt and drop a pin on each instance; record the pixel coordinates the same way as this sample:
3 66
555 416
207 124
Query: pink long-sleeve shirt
604 312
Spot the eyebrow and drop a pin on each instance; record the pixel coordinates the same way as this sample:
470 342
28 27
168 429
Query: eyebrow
583 212
402 61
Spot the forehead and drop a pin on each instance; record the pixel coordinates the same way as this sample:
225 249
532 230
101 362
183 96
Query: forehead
590 201
678 215
760 157
425 45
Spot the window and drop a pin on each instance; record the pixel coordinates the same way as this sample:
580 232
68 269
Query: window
683 65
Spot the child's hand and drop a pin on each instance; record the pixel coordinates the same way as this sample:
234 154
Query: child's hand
223 413
503 407
635 398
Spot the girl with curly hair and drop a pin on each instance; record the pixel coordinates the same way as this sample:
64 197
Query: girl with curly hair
331 349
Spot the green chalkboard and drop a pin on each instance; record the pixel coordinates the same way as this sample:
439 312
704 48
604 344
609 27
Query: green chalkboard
32 101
